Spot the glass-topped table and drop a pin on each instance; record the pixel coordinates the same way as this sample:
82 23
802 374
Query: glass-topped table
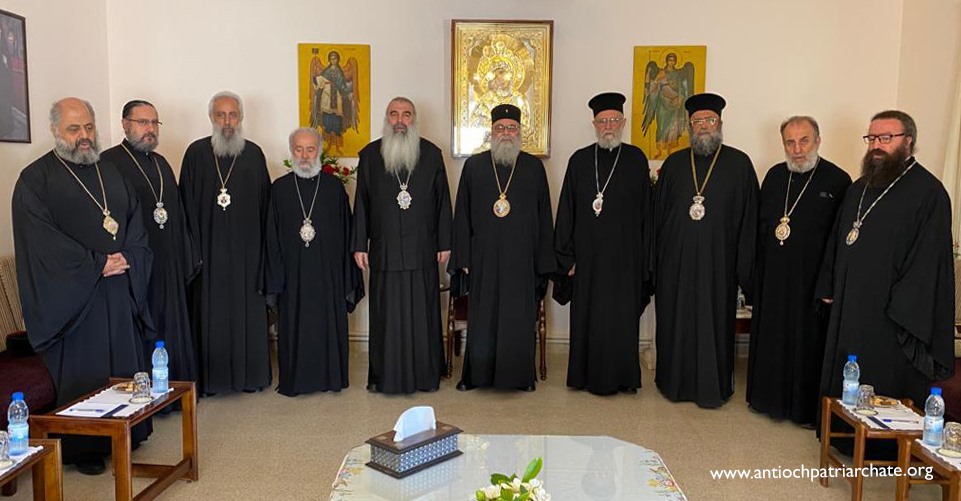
576 468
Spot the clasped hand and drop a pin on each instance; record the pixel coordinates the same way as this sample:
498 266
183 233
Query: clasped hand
116 265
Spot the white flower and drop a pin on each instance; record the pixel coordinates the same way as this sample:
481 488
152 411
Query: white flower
535 483
516 484
492 491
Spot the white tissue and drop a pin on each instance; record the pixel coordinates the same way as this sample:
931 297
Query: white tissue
413 421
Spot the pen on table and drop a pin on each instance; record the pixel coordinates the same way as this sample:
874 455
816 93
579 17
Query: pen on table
87 410
886 420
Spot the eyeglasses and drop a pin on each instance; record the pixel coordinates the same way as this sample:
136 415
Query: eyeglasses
509 128
698 122
603 122
881 138
143 122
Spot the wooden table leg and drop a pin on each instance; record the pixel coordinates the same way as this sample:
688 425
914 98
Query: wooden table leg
189 432
122 467
904 462
825 436
542 334
857 483
450 335
48 476
952 491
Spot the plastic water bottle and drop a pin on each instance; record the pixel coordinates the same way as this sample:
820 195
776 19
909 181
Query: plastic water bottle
17 425
160 372
934 418
849 388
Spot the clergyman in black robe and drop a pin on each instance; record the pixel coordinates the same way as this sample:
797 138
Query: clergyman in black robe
603 237
175 261
705 225
225 190
503 247
83 267
891 275
311 276
402 230
788 323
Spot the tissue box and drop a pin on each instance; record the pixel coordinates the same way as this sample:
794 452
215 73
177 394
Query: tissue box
415 453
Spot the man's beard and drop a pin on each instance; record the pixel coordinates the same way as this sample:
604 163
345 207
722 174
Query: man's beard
708 143
400 149
882 171
227 146
810 160
505 149
609 141
306 169
140 144
73 153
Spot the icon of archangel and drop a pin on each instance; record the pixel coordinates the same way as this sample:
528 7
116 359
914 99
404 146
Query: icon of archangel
335 86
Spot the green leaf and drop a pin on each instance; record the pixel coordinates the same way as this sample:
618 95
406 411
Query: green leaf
480 495
499 478
507 495
533 469
524 497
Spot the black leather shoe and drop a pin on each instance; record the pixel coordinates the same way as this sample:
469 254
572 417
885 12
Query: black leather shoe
91 465
462 386
373 387
629 390
526 388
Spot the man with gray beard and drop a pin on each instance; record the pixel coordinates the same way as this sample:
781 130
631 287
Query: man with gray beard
83 268
799 199
176 261
503 242
311 277
603 240
705 224
889 272
402 231
225 189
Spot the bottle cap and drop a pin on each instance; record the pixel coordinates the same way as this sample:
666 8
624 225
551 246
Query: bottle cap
935 390
17 395
852 358
160 344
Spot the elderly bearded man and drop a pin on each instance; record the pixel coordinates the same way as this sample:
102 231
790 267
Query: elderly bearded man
311 277
603 242
225 190
503 242
402 230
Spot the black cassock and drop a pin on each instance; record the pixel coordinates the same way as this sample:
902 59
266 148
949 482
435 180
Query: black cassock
699 265
406 342
893 289
612 253
316 283
86 327
509 260
788 323
227 308
175 260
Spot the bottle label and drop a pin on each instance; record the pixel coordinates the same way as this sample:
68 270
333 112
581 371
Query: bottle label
933 430
19 433
849 393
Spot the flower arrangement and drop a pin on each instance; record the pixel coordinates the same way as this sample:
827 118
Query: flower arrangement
504 488
329 165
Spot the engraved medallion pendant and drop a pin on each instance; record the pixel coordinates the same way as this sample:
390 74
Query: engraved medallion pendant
697 209
307 232
110 224
403 198
223 199
598 204
502 207
160 215
783 230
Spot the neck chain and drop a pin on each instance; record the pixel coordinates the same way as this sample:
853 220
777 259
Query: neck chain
223 199
403 198
502 207
307 232
159 212
109 223
697 209
598 204
859 219
783 230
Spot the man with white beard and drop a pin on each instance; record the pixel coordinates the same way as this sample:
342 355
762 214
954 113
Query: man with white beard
402 230
83 268
176 260
705 225
225 189
603 238
311 277
503 253
799 199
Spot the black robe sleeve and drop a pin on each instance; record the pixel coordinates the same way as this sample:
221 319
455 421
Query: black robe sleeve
546 260
140 258
443 210
747 237
275 281
361 226
564 237
353 276
463 230
922 296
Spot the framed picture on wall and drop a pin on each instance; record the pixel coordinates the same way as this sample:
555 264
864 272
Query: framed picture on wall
664 77
498 62
334 89
14 98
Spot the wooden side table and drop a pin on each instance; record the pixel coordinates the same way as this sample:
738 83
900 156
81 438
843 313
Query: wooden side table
118 429
862 433
946 475
47 468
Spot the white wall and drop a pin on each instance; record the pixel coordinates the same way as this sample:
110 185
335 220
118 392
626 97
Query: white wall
929 73
66 56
